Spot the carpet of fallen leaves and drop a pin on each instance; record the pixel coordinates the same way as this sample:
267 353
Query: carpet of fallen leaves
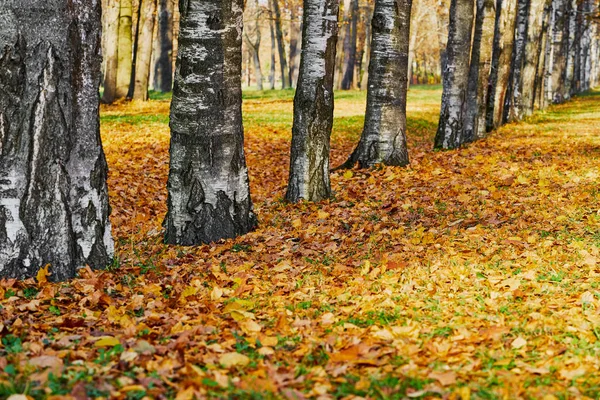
471 274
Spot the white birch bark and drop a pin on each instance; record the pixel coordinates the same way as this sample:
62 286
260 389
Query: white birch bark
209 197
53 195
383 140
313 103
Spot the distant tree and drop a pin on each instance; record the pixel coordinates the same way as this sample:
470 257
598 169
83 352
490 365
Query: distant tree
383 140
111 55
209 196
450 133
144 49
253 40
163 66
285 77
53 194
313 104
350 41
125 49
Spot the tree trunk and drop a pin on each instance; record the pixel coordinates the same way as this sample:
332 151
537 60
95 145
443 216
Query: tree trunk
414 30
501 61
479 73
254 47
513 106
53 194
561 47
163 67
533 53
364 80
273 46
144 49
176 18
539 99
383 140
285 79
124 49
350 47
360 48
313 104
450 133
295 28
209 196
111 30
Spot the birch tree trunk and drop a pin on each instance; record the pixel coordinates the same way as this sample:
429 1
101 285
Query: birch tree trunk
53 194
383 140
285 78
313 104
533 53
111 55
479 73
295 28
273 46
144 50
254 46
163 67
125 47
450 133
501 61
513 106
350 47
560 42
209 196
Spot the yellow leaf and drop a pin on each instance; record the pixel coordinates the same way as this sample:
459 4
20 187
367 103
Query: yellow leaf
366 267
297 223
188 291
216 293
518 343
107 341
522 180
348 174
233 359
42 275
323 215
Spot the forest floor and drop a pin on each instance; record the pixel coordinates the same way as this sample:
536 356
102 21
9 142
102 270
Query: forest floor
471 274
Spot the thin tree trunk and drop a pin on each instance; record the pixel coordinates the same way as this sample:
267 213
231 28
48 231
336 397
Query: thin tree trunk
163 67
383 140
350 47
295 28
360 48
450 133
313 104
541 73
53 194
285 79
533 52
501 61
513 106
413 42
273 46
254 47
124 49
176 18
137 16
209 196
479 72
111 31
560 51
144 49
368 40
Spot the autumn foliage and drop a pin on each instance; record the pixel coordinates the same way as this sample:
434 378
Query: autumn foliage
469 274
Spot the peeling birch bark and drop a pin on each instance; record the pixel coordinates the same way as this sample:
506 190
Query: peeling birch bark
209 197
383 140
53 194
313 103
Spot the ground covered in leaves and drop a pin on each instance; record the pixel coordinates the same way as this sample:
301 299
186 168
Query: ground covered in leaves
471 274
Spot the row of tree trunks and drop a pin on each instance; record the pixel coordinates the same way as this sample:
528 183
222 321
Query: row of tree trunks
53 194
536 52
